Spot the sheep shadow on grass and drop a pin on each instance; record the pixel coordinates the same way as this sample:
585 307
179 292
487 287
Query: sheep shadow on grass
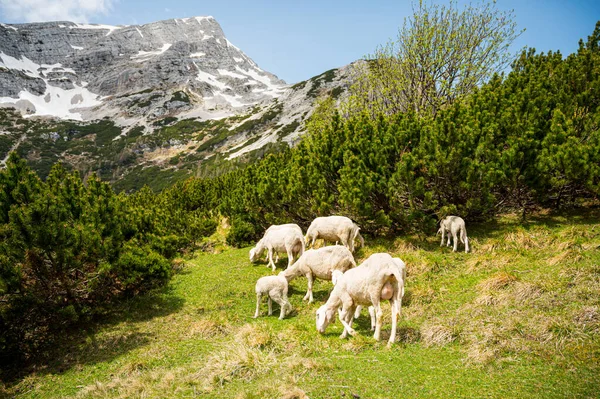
321 291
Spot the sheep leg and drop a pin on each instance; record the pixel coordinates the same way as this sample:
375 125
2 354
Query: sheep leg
350 241
270 306
443 237
372 316
395 312
288 309
309 293
349 319
290 254
357 311
448 239
282 301
271 260
464 239
455 238
378 321
258 298
346 316
344 241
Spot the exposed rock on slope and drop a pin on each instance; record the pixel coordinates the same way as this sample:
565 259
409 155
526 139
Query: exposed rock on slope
84 72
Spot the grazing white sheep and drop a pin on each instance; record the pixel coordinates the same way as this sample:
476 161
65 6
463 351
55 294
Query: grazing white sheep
286 239
320 263
275 227
334 229
287 225
276 289
278 226
456 226
402 269
378 278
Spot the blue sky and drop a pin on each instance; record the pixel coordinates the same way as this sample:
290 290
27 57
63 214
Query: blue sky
300 39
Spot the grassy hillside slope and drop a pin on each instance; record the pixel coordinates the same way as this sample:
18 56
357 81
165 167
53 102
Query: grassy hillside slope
517 317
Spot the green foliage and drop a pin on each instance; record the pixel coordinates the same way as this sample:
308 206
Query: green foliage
69 249
319 80
440 54
525 140
299 85
242 233
135 132
165 121
140 268
180 96
147 101
287 129
6 143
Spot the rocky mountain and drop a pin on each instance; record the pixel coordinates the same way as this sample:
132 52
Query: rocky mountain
174 97
83 72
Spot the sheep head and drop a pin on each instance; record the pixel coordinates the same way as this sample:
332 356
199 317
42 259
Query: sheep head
336 275
325 316
256 252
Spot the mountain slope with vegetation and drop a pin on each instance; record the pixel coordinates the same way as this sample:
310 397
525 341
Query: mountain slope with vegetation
171 148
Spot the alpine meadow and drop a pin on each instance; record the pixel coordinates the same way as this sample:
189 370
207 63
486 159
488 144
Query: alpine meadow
133 240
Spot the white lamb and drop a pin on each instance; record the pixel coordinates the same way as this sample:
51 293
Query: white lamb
334 229
320 263
276 289
286 239
378 278
456 226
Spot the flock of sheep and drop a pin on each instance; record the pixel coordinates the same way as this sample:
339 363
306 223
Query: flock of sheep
379 277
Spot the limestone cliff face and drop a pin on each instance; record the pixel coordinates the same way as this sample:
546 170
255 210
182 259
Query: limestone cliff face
79 71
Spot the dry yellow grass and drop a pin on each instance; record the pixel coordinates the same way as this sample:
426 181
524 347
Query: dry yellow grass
235 360
490 246
524 292
255 335
566 256
521 239
497 281
402 246
436 335
206 328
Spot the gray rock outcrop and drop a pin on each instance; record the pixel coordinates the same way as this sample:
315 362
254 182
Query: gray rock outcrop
83 71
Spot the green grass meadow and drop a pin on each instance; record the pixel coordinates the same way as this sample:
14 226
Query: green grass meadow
519 317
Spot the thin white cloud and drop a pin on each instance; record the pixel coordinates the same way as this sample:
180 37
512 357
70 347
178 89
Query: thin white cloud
53 10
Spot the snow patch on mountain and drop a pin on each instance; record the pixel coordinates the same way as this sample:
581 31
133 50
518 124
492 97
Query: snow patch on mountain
225 72
145 55
110 28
